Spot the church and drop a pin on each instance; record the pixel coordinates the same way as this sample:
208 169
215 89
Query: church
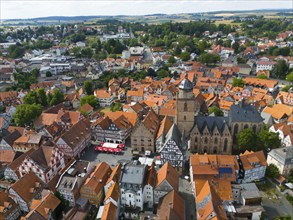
211 134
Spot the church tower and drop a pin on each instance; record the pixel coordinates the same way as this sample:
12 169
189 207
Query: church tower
185 107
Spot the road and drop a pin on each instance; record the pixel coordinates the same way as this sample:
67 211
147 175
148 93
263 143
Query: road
187 194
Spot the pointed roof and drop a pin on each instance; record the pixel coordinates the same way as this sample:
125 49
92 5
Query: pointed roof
98 178
171 206
113 192
109 212
185 84
42 156
44 206
165 126
168 173
28 187
116 173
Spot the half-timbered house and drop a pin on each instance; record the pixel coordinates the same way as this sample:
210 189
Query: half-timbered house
75 140
174 148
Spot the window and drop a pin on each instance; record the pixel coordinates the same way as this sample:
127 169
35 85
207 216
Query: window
185 106
206 140
225 145
184 117
216 140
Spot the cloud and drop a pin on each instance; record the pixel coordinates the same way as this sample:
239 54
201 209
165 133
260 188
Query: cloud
41 8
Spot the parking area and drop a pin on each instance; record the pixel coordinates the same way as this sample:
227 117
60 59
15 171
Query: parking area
96 157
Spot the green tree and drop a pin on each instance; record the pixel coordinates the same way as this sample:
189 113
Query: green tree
41 97
286 88
63 206
88 86
116 107
90 99
209 58
26 113
272 171
262 76
30 98
247 139
269 140
282 69
48 74
185 56
162 73
216 111
55 98
177 51
238 82
87 52
16 51
171 60
289 77
76 50
36 97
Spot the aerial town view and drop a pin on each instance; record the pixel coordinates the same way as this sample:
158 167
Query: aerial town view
149 110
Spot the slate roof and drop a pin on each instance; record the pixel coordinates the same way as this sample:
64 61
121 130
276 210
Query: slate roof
9 139
185 84
211 123
245 113
283 155
133 174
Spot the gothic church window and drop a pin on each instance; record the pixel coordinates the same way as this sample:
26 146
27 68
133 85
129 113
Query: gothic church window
185 106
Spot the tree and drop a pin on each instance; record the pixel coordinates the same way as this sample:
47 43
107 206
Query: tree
162 73
116 107
55 98
185 56
289 77
88 86
262 76
269 140
87 52
272 171
171 60
41 97
48 74
209 58
30 98
90 99
26 113
216 111
36 97
238 82
15 51
177 51
63 206
247 139
282 69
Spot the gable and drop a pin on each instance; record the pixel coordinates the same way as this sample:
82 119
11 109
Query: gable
164 186
140 129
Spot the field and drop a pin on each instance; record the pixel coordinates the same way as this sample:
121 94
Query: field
227 22
225 14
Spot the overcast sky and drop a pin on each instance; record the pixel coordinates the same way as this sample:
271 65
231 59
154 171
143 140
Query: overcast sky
41 8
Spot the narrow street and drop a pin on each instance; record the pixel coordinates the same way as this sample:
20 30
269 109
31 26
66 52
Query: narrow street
187 194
